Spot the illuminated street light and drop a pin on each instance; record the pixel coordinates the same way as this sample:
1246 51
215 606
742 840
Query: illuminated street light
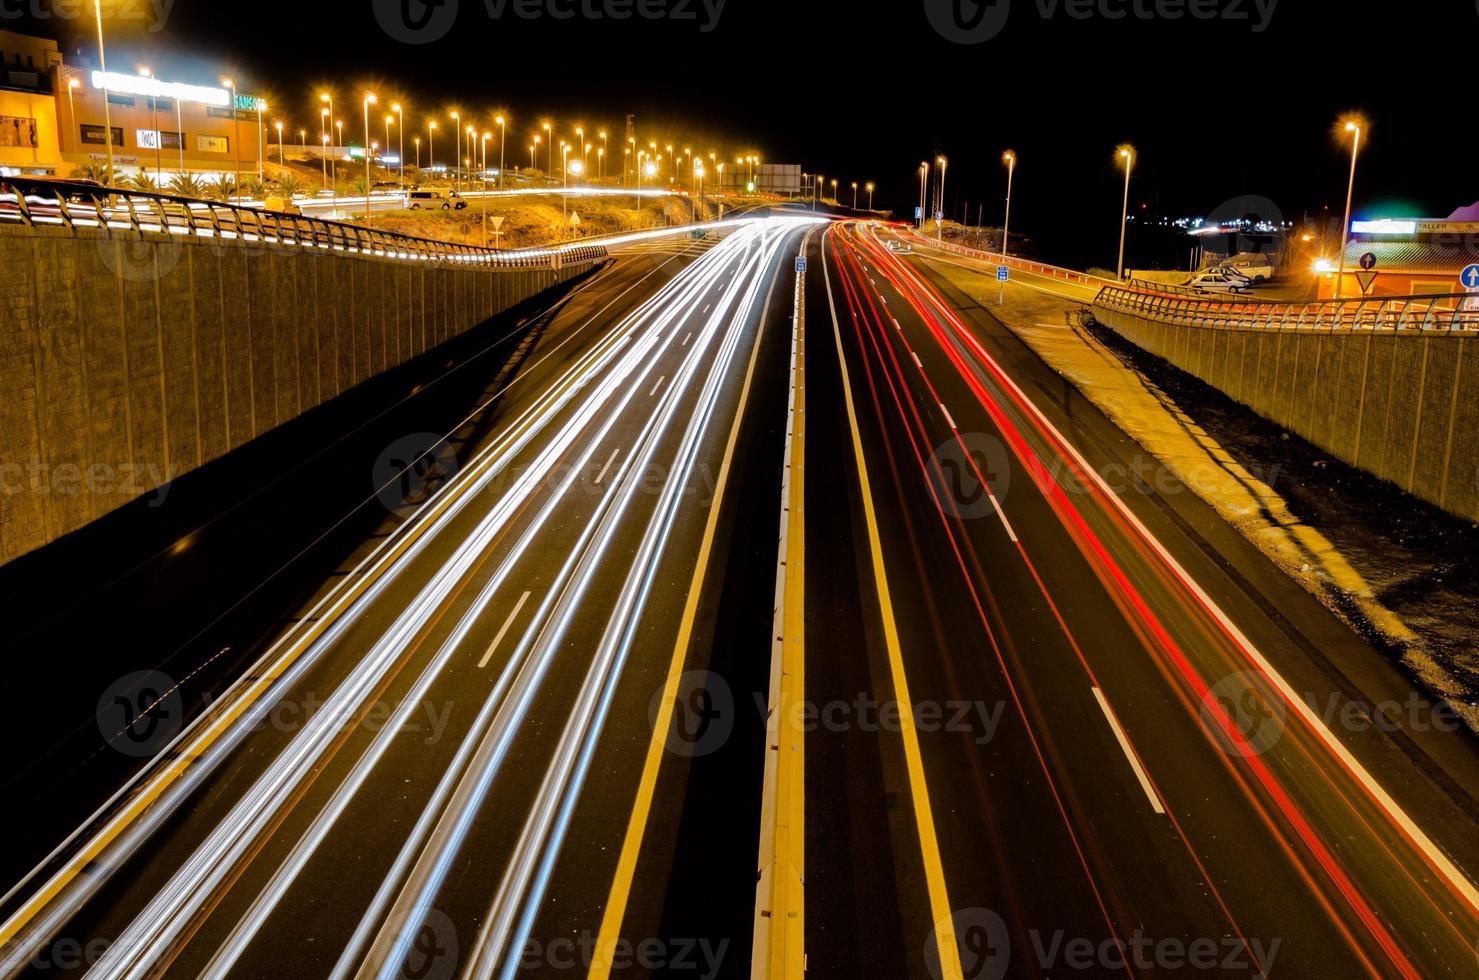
282 159
400 132
1353 125
368 101
1127 155
942 164
924 173
107 113
869 187
457 160
854 195
235 128
601 157
431 148
550 140
1010 159
502 122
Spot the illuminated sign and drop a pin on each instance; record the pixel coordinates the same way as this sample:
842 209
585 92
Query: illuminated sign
251 103
1385 226
153 87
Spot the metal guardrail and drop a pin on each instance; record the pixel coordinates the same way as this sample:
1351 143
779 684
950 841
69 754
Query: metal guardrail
44 203
1012 262
1450 313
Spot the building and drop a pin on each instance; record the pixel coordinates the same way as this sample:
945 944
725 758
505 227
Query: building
1410 256
55 117
28 118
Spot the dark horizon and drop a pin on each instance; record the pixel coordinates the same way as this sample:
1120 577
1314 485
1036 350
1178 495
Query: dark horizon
853 102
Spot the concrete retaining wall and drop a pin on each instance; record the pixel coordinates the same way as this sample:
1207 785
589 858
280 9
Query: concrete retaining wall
126 364
1402 406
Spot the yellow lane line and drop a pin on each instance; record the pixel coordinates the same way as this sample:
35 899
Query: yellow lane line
929 844
626 865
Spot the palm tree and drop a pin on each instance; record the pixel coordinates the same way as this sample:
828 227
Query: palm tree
222 188
143 182
186 185
252 186
98 172
288 185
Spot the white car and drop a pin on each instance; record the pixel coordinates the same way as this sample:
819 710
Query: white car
1219 281
894 245
1259 268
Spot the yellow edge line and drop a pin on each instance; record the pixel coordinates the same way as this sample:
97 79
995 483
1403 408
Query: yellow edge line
626 865
929 844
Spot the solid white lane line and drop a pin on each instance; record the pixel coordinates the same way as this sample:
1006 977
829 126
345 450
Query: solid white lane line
896 325
916 360
657 386
1119 733
687 339
948 420
602 475
503 630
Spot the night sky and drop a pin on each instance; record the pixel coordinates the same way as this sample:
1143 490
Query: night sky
1215 108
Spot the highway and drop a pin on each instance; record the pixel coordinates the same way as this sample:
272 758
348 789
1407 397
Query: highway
1041 725
1111 741
439 761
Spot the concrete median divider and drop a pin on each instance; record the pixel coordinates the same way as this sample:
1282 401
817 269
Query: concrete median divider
131 355
1386 385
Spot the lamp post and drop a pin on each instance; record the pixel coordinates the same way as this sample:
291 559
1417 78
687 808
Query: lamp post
487 135
180 135
575 167
924 176
834 190
235 127
282 160
417 141
601 157
107 113
334 167
369 101
400 135
533 149
943 164
502 122
1352 126
261 138
72 127
854 195
549 138
869 187
431 146
1010 159
1126 154
158 136
457 177
324 115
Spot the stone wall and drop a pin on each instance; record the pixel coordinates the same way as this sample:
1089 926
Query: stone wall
125 364
1403 406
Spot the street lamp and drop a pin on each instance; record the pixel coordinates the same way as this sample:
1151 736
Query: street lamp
869 187
282 159
502 122
158 136
487 135
1127 155
549 138
924 176
457 176
400 132
431 144
533 149
576 168
942 164
1010 159
417 141
107 113
834 190
854 195
324 115
235 126
369 101
601 157
1354 126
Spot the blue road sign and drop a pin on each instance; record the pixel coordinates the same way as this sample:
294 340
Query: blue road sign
939 215
1470 277
1001 273
918 213
800 263
1368 261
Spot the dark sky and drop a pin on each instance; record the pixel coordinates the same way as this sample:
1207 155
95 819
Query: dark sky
865 91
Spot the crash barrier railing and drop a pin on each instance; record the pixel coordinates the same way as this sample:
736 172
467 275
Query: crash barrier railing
1450 313
1012 262
41 203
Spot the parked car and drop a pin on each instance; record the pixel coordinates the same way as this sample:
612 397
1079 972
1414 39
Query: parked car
1259 268
1218 281
416 200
